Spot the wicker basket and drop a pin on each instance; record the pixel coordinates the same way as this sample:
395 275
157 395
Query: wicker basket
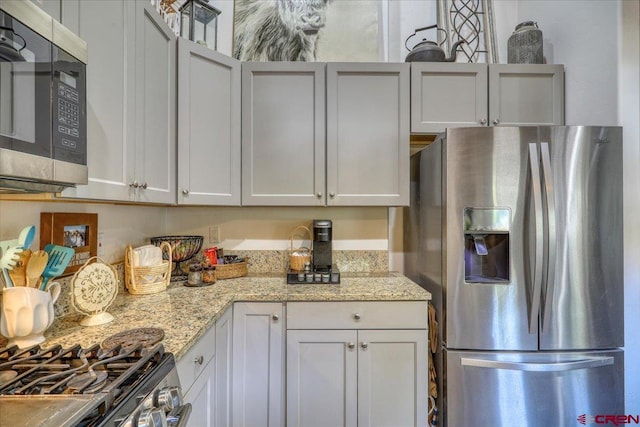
230 271
297 261
149 279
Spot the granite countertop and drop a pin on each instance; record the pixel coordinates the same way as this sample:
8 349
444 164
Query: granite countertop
185 313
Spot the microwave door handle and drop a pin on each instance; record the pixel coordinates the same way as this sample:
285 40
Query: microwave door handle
534 164
586 363
551 235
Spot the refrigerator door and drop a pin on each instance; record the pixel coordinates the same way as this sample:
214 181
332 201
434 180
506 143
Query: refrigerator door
582 305
487 220
533 389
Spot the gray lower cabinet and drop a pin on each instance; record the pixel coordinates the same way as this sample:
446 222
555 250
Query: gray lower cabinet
258 365
131 100
312 140
208 126
366 361
457 95
223 369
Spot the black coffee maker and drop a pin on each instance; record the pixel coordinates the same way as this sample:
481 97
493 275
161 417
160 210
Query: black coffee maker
321 269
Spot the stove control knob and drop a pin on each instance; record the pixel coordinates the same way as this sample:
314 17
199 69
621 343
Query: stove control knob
153 417
169 398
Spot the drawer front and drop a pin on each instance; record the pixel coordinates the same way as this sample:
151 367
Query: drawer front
195 360
357 315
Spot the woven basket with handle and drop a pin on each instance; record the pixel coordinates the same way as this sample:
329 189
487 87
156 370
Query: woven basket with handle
299 257
149 279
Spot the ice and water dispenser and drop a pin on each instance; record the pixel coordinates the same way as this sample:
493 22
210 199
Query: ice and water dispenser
486 245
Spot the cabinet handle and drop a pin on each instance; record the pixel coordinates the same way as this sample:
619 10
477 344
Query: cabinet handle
496 121
134 184
144 186
319 194
483 121
351 345
198 360
364 344
185 192
332 195
275 317
357 316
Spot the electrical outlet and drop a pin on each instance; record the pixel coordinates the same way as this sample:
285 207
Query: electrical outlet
214 234
100 244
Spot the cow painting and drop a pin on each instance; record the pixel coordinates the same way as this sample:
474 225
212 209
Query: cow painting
278 30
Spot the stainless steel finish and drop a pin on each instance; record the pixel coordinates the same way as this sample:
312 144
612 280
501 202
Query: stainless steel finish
533 389
357 316
15 164
185 192
47 410
483 122
332 195
169 398
550 259
586 309
134 184
28 173
70 172
69 42
144 186
275 317
319 194
153 417
351 345
496 121
199 360
534 310
364 344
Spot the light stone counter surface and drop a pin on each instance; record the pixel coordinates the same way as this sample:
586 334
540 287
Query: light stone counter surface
185 313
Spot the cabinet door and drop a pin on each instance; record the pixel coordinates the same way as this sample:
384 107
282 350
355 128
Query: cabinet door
258 365
283 133
392 378
445 95
155 89
526 94
224 337
108 27
202 396
208 126
368 134
322 378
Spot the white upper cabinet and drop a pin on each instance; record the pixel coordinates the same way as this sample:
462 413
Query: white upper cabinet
456 95
131 100
308 140
208 126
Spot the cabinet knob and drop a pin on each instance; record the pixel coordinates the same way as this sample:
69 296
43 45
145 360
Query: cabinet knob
144 186
364 344
275 317
319 194
185 192
332 195
357 316
496 121
483 121
199 360
134 184
351 345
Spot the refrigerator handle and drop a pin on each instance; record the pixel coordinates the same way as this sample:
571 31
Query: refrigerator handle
534 164
551 235
586 363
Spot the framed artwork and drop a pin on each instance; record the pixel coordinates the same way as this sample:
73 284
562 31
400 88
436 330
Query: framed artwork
309 30
73 230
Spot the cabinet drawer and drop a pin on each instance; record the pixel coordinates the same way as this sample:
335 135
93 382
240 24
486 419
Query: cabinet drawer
357 315
196 359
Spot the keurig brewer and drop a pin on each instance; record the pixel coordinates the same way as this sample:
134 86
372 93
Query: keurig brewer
321 269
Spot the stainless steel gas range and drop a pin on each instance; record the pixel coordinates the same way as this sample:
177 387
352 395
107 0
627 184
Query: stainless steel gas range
121 386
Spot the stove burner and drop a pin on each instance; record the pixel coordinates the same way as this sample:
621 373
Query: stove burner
89 382
6 376
146 337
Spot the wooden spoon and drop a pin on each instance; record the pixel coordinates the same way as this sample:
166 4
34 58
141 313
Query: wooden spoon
19 274
37 263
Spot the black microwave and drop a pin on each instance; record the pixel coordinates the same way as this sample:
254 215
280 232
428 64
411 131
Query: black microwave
43 120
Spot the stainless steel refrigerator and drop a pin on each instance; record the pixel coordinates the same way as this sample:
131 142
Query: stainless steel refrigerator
517 233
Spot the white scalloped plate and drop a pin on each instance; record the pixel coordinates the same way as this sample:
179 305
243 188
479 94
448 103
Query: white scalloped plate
93 289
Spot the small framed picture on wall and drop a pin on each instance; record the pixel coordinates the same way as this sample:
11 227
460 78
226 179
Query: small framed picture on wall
73 230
